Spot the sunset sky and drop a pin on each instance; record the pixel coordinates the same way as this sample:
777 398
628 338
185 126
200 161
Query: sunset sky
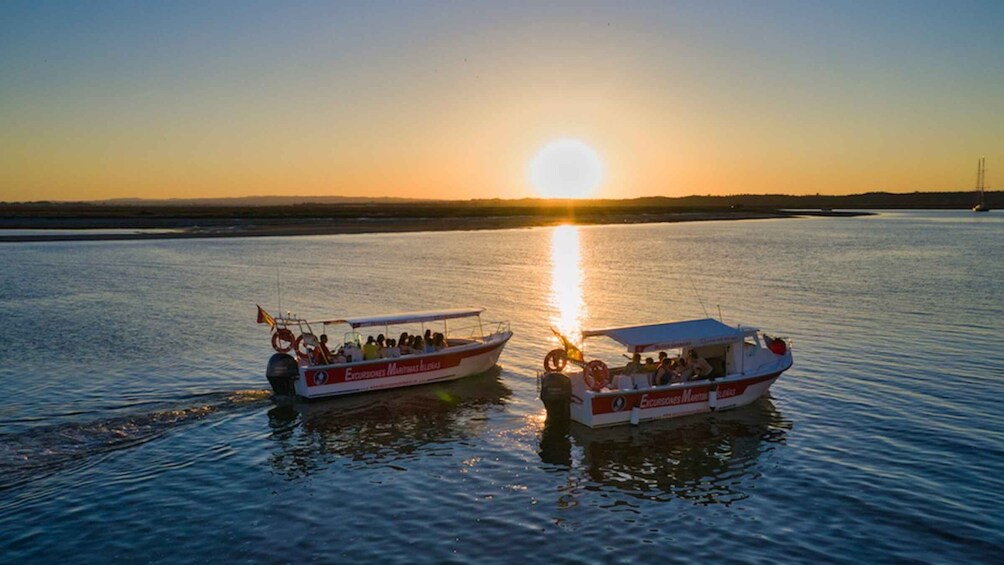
454 100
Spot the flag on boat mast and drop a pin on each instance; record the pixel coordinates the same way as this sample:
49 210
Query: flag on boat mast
265 318
571 351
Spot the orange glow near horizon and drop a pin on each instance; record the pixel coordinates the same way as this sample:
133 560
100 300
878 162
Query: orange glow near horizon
427 101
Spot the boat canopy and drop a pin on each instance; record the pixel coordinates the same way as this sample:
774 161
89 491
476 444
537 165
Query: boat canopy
407 317
672 335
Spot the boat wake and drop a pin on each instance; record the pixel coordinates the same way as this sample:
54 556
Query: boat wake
40 452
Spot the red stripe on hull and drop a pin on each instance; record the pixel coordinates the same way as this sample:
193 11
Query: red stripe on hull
400 366
652 398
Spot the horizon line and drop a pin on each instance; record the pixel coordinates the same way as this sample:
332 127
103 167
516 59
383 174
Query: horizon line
359 199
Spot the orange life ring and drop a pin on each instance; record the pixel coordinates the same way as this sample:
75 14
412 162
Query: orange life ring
596 374
301 353
282 340
555 361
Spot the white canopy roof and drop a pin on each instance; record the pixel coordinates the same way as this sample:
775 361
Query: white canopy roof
408 317
672 335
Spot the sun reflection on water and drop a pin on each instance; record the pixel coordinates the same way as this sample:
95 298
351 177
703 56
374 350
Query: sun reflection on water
569 306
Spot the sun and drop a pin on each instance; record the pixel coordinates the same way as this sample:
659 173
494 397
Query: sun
566 168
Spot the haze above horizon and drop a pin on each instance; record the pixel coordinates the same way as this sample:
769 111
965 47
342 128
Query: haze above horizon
454 101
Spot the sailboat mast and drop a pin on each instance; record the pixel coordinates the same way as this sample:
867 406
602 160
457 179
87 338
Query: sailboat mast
980 171
983 181
983 176
981 185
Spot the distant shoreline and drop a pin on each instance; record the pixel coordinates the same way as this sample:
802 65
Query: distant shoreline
211 228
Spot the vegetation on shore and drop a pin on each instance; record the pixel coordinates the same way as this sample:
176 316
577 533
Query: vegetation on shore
252 216
351 207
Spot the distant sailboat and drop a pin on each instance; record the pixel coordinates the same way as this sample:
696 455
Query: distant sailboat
981 174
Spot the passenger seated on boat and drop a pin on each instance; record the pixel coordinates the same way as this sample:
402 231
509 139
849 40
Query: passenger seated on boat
371 350
402 341
391 351
438 342
649 366
664 372
417 346
321 354
634 366
684 370
427 337
431 344
702 369
381 341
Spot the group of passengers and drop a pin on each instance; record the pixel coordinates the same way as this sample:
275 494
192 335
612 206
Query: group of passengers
380 347
688 367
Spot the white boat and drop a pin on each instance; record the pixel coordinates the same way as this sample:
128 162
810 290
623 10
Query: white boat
296 368
743 362
981 179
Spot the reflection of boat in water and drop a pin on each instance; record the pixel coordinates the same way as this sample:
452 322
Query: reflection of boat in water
303 365
388 427
713 366
707 459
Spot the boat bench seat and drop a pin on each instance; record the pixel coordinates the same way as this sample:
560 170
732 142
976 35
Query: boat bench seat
631 382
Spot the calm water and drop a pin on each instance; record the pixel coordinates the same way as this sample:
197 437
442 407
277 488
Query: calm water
134 424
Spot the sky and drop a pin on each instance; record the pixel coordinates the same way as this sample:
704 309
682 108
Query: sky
454 99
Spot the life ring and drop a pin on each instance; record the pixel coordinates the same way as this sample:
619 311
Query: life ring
596 374
301 353
555 361
282 340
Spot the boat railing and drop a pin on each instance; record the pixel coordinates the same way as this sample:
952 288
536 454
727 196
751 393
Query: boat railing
476 331
500 326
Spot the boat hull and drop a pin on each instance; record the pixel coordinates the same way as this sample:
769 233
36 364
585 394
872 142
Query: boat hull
612 408
410 370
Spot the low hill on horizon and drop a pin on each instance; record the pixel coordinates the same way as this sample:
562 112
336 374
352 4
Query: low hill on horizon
242 201
868 200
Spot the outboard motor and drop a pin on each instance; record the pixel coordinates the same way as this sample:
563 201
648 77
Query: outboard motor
556 394
281 373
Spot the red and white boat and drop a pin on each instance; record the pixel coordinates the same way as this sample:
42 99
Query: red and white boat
743 364
296 368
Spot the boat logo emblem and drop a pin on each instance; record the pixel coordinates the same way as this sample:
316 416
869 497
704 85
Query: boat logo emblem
320 378
619 403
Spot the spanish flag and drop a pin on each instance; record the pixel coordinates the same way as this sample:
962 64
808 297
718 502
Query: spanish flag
572 352
264 318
